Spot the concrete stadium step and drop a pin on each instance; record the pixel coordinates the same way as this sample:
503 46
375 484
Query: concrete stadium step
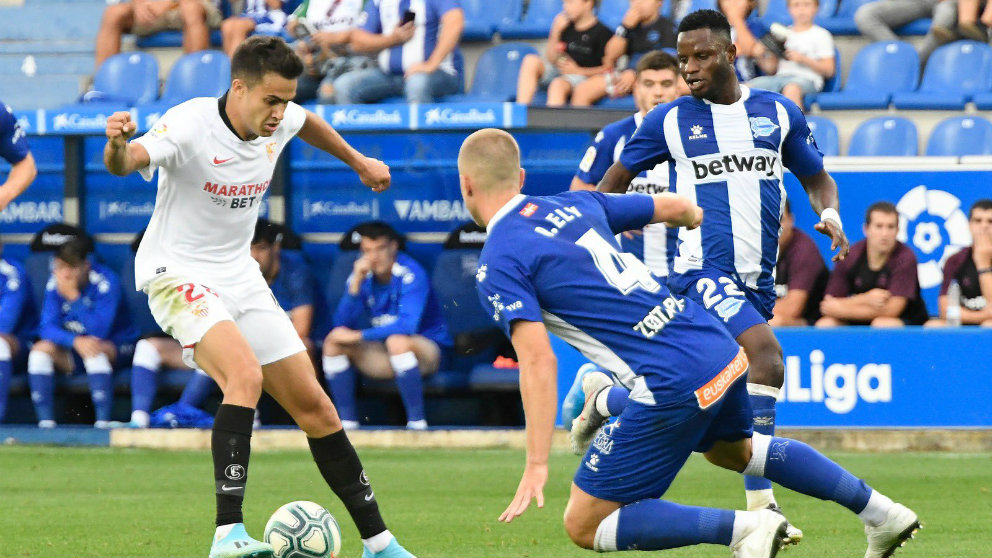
39 91
47 47
45 64
66 20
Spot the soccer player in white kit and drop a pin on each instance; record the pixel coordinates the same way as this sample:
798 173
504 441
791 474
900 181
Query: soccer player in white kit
215 159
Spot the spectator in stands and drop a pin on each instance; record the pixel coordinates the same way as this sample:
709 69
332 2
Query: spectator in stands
408 337
642 30
974 21
877 283
14 150
83 318
287 276
258 16
18 321
194 18
324 28
800 276
971 268
809 56
747 29
878 20
574 53
417 51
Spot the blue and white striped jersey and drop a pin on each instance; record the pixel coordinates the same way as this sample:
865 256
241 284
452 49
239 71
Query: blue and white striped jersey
555 260
728 159
383 16
656 246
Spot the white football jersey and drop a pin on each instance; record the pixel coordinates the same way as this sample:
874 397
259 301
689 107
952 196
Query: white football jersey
210 187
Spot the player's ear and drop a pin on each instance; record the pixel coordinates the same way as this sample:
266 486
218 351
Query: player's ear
523 176
731 52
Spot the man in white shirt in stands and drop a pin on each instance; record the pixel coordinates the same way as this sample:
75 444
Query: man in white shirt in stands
215 159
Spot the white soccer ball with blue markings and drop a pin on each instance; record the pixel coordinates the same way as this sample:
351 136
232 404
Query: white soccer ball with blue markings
303 530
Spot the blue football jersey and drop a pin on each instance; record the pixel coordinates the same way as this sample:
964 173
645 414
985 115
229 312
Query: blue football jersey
555 260
728 159
13 144
100 311
18 316
656 245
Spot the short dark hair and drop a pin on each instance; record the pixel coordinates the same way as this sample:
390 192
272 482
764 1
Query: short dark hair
881 207
262 54
374 230
73 252
657 60
982 204
706 19
266 231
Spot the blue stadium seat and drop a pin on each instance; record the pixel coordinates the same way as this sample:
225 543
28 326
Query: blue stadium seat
128 77
199 74
611 12
918 27
337 278
777 11
953 74
173 39
961 135
878 71
830 85
884 136
983 101
496 74
482 17
843 22
453 280
696 5
825 133
536 22
137 301
38 266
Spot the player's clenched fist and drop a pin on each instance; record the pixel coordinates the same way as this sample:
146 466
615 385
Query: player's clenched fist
375 174
120 128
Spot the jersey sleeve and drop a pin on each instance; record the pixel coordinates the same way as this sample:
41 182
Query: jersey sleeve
626 212
170 142
597 159
800 154
506 291
294 118
13 298
647 147
98 319
445 6
369 20
51 319
904 275
350 308
414 288
13 143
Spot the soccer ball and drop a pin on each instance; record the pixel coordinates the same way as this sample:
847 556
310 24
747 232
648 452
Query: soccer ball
303 530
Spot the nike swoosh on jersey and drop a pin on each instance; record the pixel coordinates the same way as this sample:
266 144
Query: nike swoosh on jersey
221 161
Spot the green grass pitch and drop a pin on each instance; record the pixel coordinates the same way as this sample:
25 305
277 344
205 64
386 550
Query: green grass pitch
105 503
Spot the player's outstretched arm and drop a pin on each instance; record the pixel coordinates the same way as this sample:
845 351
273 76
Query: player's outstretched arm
822 191
676 211
539 393
21 175
616 180
120 157
318 133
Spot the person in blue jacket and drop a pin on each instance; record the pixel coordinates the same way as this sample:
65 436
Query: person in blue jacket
84 317
18 321
408 336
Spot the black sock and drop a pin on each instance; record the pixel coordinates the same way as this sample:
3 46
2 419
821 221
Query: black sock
230 444
342 470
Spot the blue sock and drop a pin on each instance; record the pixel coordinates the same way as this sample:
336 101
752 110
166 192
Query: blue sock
799 467
197 389
763 407
616 400
143 384
102 391
6 369
410 384
341 380
658 524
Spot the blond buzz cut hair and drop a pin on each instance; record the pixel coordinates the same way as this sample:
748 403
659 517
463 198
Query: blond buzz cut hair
490 158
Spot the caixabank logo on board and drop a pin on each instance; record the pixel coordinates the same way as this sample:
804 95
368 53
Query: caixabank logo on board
933 223
79 122
325 208
369 117
126 209
453 116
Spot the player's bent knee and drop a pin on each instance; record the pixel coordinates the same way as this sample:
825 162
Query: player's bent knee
398 344
579 528
44 346
885 321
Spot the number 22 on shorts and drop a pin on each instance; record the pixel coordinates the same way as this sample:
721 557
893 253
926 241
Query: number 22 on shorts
726 305
191 291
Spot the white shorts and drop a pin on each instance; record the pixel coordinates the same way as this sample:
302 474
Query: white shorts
186 309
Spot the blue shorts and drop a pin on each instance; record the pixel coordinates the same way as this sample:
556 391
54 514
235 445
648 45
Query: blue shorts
638 456
725 297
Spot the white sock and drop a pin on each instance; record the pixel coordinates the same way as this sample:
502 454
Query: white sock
222 531
759 499
744 523
98 364
40 363
335 364
379 542
403 362
606 534
876 510
601 405
140 418
5 352
146 356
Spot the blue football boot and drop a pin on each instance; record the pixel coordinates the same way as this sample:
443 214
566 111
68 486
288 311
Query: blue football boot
393 550
237 544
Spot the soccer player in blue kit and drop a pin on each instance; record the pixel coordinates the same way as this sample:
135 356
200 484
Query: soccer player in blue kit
552 264
726 145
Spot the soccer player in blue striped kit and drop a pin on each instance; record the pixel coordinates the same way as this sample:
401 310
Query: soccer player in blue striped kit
726 145
552 264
